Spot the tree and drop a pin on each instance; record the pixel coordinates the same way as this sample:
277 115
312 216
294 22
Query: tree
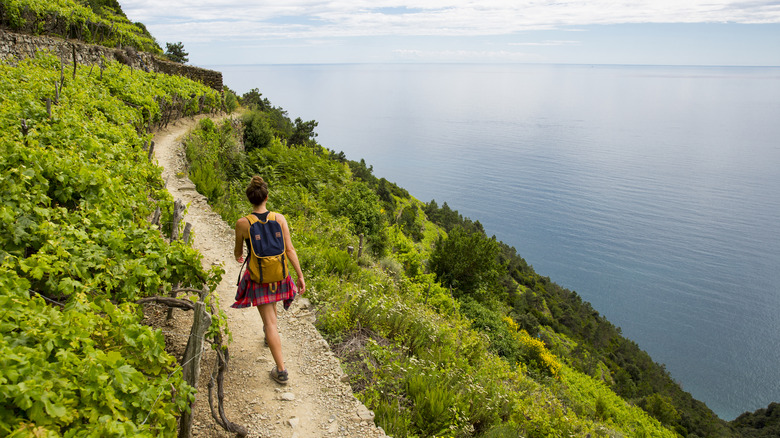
257 133
253 99
303 132
175 52
361 206
468 262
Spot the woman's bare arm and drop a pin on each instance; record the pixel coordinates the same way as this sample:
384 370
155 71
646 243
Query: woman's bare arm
242 232
292 255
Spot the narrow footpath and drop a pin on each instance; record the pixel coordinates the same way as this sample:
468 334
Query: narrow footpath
317 401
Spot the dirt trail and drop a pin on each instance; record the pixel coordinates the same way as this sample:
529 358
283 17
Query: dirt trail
316 402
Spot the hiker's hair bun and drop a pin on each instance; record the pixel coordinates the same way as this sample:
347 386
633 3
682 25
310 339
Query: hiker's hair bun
257 181
257 191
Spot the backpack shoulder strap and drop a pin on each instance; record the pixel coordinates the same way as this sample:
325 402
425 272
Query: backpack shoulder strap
252 219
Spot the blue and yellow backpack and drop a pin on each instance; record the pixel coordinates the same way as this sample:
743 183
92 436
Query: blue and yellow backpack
267 261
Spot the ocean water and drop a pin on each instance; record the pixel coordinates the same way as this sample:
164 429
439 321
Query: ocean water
653 192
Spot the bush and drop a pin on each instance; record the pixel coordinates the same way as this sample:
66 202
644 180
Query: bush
257 132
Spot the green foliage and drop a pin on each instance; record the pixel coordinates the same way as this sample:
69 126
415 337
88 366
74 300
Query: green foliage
489 322
175 52
360 205
303 132
254 100
95 21
88 364
231 100
660 407
467 261
98 6
762 423
257 132
444 217
77 191
510 353
214 157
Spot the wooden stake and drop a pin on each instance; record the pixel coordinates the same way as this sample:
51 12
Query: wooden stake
73 46
191 362
156 217
178 208
185 237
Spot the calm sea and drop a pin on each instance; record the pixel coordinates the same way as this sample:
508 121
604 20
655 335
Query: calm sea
654 192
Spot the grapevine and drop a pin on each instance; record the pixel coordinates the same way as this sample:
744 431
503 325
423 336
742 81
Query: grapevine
77 193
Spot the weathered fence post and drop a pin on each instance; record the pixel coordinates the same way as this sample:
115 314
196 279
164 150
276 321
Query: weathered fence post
185 237
191 361
151 151
73 46
156 217
360 248
178 209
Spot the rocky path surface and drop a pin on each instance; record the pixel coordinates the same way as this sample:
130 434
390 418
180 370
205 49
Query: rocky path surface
317 401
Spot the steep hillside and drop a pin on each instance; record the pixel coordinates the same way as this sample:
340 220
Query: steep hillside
425 345
441 329
77 250
91 21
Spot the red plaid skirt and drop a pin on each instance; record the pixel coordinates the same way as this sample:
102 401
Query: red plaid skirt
250 293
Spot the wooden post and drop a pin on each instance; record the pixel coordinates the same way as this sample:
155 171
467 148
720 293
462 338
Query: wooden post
186 235
177 211
360 248
62 68
48 106
25 130
156 217
350 250
73 46
151 151
191 361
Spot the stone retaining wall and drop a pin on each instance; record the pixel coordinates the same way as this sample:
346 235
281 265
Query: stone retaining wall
19 46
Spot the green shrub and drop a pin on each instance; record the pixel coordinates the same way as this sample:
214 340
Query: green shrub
340 263
257 132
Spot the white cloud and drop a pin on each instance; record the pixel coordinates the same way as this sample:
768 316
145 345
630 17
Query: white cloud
219 19
548 43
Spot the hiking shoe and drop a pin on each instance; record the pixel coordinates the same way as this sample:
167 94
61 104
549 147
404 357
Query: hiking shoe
279 377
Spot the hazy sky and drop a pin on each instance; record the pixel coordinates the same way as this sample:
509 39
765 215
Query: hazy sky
674 32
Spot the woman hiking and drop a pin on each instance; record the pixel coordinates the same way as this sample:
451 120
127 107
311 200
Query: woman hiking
266 227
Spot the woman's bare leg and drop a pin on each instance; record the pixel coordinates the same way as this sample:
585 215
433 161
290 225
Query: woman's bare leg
268 313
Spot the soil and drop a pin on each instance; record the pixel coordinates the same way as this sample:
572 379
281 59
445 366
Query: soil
317 401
